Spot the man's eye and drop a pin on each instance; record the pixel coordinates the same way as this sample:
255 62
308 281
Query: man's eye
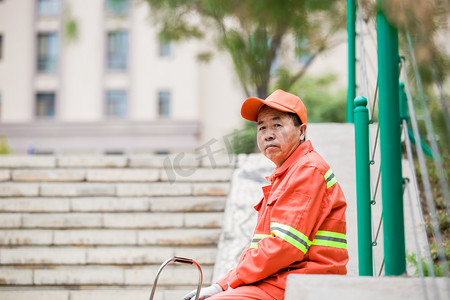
261 128
277 125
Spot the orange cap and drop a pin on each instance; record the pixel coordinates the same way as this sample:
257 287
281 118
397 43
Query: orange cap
280 100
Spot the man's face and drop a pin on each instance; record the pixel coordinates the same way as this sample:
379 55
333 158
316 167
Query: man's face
277 136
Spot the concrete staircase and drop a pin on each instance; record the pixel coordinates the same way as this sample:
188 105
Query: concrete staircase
98 227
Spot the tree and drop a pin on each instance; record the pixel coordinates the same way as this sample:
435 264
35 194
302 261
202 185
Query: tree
423 36
255 33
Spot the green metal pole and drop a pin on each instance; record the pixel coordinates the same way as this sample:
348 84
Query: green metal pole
351 90
390 148
364 216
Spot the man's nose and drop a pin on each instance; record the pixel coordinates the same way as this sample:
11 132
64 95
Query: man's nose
269 135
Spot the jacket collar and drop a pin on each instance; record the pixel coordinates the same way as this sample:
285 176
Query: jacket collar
301 150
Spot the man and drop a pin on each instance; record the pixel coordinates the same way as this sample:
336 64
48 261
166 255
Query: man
301 218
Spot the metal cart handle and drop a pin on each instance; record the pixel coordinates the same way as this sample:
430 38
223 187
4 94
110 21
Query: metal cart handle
182 260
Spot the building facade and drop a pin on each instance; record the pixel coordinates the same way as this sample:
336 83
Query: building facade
93 76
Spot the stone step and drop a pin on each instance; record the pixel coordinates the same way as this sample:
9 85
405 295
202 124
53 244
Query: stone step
180 160
34 256
97 294
82 189
28 161
113 204
97 227
111 220
79 276
93 237
311 287
116 175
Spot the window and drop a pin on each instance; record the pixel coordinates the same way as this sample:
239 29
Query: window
48 8
117 50
165 48
116 104
45 105
164 103
118 7
47 52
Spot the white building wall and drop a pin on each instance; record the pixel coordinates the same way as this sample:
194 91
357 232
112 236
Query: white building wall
221 99
202 94
334 61
18 61
182 73
82 63
207 93
143 53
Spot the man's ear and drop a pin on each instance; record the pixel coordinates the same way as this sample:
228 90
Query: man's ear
302 132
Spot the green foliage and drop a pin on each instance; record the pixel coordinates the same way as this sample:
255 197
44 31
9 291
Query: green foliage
4 149
70 30
253 32
322 102
243 140
438 269
442 135
69 25
423 21
204 56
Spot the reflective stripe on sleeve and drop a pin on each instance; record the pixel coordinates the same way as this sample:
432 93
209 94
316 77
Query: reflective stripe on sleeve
330 239
256 238
290 235
330 179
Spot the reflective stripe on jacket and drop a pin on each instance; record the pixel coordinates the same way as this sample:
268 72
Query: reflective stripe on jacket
301 226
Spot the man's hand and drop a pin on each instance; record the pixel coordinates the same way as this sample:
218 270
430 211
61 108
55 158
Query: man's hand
204 292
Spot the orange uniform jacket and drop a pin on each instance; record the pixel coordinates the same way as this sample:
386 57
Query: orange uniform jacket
300 228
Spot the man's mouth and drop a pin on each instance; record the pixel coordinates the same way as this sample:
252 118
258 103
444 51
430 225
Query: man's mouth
271 146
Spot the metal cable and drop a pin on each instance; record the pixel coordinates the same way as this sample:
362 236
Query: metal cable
443 99
424 174
373 202
430 131
366 93
363 67
379 228
413 219
376 186
374 100
381 268
409 154
376 142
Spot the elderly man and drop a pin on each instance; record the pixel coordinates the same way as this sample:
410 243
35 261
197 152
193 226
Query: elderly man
301 218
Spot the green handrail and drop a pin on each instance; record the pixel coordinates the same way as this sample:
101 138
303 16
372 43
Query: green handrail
351 91
363 196
390 147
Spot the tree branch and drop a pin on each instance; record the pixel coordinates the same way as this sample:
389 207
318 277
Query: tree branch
308 63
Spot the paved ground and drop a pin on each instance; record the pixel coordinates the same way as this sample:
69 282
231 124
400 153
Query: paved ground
312 287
